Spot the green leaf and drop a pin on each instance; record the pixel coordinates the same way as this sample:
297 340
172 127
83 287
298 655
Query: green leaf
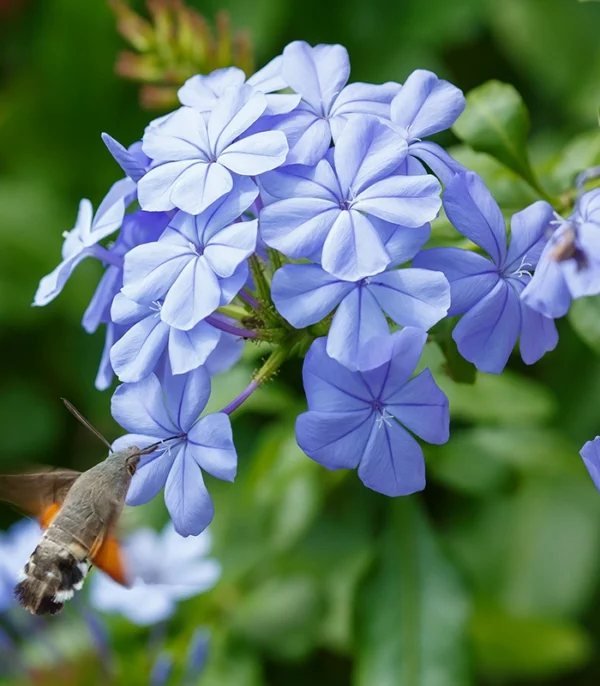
510 646
584 317
496 122
412 611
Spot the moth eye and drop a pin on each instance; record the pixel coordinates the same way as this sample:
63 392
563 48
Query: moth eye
131 468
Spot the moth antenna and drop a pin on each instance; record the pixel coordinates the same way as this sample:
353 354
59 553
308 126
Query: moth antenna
77 414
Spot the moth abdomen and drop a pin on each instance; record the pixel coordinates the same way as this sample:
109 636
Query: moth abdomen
49 579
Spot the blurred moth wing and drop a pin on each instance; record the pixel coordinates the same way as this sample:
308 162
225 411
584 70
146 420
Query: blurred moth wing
79 513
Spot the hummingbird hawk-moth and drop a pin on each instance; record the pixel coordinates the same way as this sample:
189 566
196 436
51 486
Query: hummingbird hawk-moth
78 513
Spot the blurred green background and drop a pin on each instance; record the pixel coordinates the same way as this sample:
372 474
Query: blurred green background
492 576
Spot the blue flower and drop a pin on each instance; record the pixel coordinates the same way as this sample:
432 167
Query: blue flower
198 264
325 214
196 155
153 411
16 545
488 290
82 240
590 454
569 266
426 105
304 294
166 569
363 419
202 92
320 75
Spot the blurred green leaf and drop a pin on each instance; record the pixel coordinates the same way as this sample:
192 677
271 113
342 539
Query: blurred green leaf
481 460
496 122
552 556
584 317
511 646
281 616
231 663
580 153
411 624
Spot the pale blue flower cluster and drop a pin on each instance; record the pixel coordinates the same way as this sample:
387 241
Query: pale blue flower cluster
284 207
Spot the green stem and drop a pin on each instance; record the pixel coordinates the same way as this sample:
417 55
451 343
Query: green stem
263 291
275 258
271 365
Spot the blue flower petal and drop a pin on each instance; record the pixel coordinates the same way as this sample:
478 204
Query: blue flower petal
353 248
139 409
304 293
356 322
152 472
186 497
426 104
412 297
190 349
137 352
528 236
487 333
408 200
538 335
474 212
422 408
393 461
336 440
210 442
128 162
471 276
329 386
590 454
186 396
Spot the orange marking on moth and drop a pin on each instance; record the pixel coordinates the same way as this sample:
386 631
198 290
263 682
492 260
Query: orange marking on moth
48 515
109 559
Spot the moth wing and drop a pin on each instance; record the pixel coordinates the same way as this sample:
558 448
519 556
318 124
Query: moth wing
38 493
106 554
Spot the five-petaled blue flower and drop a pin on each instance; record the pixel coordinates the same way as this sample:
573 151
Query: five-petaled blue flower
170 411
366 419
82 240
569 266
320 75
426 105
324 213
487 290
198 264
197 156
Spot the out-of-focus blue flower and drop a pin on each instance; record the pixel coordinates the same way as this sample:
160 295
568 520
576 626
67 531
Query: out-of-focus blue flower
16 545
488 290
320 75
81 241
569 266
161 670
152 412
363 419
424 106
196 156
166 569
325 214
305 294
198 264
197 653
201 92
590 454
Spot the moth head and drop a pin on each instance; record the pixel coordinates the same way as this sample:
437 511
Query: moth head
132 461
